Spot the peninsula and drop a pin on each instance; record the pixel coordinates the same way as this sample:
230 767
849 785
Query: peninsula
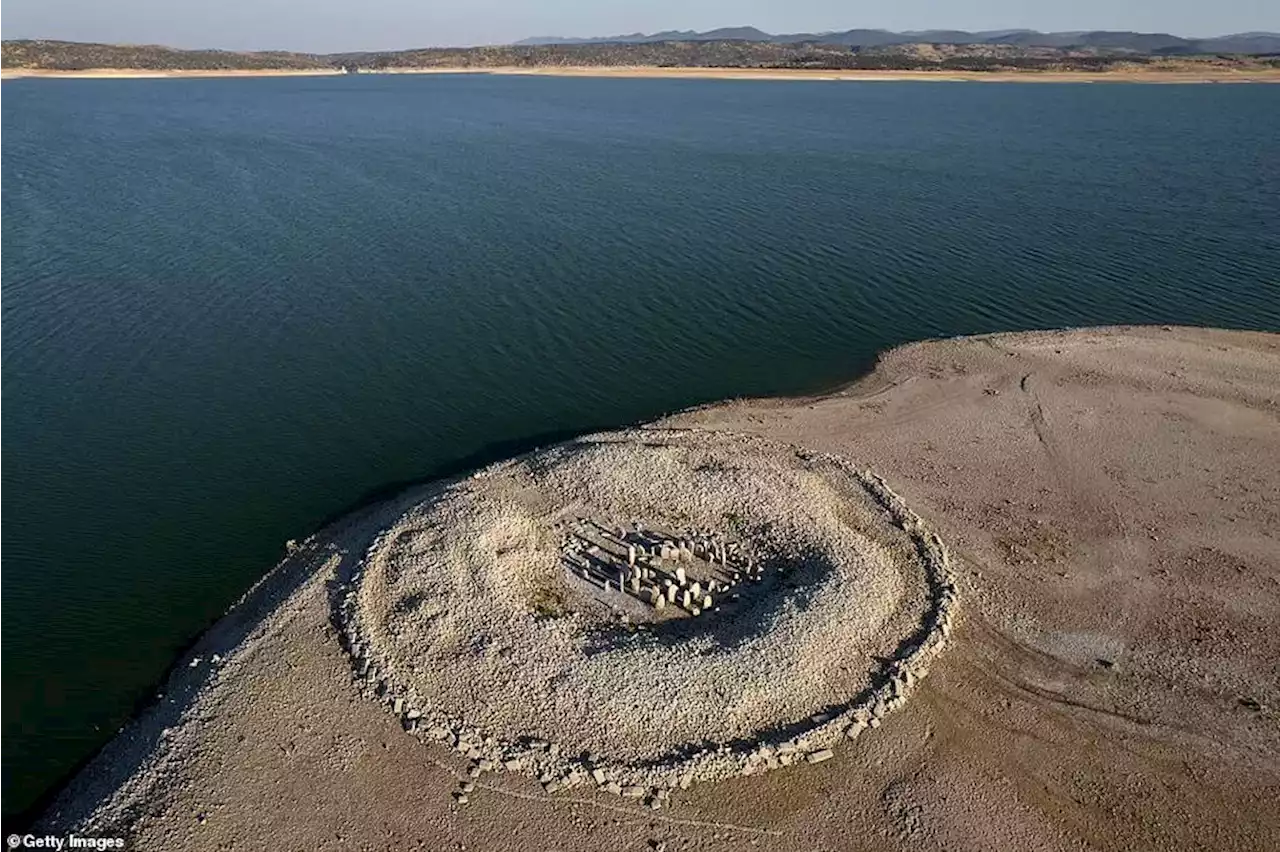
1007 591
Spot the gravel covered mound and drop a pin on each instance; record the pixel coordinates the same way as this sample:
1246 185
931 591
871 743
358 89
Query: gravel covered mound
466 618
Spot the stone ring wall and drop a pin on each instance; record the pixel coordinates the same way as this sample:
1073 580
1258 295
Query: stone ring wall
464 619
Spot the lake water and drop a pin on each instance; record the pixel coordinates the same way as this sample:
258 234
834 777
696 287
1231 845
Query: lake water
231 307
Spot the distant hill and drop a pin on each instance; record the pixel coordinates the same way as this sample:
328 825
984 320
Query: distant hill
82 56
998 52
1119 41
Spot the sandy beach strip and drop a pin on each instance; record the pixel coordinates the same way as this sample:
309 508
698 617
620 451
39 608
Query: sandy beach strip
1225 75
149 74
1122 76
1111 509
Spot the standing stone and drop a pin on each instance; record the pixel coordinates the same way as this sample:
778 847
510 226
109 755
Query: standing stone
686 599
706 602
631 554
671 592
696 589
681 577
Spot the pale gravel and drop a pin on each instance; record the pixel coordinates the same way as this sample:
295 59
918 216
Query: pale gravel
442 608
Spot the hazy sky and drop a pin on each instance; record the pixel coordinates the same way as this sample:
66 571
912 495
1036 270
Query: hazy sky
334 25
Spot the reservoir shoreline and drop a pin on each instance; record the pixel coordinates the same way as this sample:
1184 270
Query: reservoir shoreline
1118 76
168 762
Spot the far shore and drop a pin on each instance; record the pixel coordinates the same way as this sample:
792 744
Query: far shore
151 73
1140 75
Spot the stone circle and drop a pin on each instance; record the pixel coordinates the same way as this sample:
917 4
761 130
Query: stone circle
514 615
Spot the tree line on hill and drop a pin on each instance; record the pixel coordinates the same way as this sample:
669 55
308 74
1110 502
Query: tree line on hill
78 56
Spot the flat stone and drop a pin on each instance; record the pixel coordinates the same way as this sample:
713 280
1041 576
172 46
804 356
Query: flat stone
460 798
598 775
398 707
633 792
819 756
468 786
614 788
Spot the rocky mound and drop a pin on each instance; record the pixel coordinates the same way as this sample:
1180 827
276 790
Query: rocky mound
538 615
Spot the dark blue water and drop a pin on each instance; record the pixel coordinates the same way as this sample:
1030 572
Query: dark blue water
231 307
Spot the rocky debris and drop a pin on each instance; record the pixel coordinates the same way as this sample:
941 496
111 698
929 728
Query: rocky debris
660 582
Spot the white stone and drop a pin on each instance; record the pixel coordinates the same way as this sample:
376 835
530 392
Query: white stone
819 756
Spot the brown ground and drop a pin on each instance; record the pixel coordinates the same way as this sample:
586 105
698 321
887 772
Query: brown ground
1114 501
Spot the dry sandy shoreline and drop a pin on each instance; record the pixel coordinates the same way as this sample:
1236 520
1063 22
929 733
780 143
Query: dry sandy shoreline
1124 76
1110 498
146 74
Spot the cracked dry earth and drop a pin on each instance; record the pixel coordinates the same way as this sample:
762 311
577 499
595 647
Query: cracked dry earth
1111 502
